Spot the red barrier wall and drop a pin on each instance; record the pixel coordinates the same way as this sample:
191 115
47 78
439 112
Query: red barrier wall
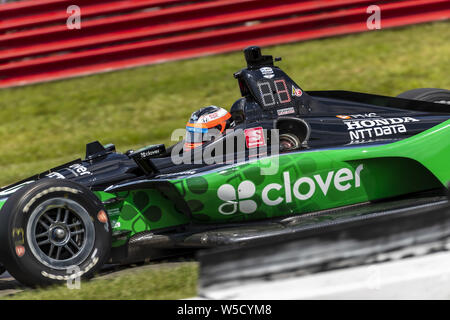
36 45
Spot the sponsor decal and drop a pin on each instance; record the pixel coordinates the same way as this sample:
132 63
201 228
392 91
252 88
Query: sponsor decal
358 116
212 116
55 175
149 153
20 251
18 236
237 201
267 72
79 170
284 111
357 142
273 194
254 137
370 128
296 92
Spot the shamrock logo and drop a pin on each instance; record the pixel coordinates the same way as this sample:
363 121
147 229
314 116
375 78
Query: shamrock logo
236 200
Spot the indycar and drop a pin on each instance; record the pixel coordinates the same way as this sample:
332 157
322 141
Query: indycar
299 158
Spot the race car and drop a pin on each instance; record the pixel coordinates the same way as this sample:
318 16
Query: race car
280 160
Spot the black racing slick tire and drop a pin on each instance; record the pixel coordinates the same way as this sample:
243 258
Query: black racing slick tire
427 94
53 231
2 269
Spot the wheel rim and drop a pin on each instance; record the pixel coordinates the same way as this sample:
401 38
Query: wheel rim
60 233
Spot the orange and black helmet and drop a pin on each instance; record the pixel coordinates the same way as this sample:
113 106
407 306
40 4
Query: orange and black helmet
204 120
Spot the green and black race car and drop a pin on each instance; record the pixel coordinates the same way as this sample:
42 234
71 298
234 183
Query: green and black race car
280 161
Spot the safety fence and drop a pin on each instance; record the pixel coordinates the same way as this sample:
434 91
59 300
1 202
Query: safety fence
43 40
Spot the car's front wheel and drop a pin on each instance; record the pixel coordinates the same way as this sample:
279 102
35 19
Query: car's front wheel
53 231
427 94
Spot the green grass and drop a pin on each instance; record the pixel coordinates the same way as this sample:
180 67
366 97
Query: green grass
46 124
149 282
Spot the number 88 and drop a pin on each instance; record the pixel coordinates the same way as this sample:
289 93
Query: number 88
267 96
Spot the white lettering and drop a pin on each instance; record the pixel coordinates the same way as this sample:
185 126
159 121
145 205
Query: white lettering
265 194
343 175
324 186
298 183
287 187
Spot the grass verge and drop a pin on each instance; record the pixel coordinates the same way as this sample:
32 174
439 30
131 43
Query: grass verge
148 282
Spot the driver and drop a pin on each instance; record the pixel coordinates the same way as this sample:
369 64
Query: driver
204 120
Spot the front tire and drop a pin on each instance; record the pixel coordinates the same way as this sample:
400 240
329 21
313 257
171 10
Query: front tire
53 231
427 94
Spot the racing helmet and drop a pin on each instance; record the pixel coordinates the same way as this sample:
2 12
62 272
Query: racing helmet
204 120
